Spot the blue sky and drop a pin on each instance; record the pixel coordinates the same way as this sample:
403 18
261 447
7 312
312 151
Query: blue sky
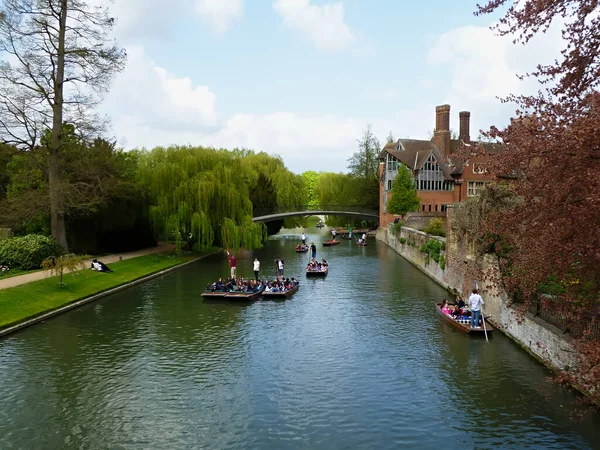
303 78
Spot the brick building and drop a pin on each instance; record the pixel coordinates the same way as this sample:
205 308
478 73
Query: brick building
440 180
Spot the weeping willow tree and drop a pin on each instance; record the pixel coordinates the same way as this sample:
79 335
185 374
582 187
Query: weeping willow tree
343 189
201 196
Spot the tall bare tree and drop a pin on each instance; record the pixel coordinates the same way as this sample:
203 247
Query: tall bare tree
58 59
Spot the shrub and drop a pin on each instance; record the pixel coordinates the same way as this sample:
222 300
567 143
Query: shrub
65 263
397 227
436 227
433 249
402 240
27 252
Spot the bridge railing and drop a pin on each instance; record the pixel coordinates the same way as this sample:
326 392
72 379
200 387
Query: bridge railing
301 208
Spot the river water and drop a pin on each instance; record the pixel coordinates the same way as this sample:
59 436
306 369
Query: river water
356 360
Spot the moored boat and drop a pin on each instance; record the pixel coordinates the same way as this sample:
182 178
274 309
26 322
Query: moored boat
330 243
317 273
462 324
282 294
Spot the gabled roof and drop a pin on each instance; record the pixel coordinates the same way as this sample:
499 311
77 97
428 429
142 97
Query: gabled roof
414 153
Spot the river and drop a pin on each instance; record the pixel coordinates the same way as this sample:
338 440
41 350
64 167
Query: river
356 360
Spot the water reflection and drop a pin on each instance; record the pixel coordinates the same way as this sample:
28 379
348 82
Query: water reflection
356 360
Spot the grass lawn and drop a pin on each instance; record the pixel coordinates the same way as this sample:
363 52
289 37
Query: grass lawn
29 300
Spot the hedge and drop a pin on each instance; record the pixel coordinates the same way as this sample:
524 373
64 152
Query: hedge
27 252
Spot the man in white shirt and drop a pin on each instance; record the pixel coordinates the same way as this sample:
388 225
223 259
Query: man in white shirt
303 239
333 232
475 303
280 265
256 268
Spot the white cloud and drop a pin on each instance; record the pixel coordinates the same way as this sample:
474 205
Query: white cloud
480 67
323 25
155 18
219 13
146 18
153 98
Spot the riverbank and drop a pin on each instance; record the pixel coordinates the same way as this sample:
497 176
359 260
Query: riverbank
40 274
461 269
29 303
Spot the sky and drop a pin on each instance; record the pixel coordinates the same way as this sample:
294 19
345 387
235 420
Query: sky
303 78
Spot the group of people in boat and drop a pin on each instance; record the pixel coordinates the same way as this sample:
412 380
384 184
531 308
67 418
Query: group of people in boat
459 310
316 266
280 284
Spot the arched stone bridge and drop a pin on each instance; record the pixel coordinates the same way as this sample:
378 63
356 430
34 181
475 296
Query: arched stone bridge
317 210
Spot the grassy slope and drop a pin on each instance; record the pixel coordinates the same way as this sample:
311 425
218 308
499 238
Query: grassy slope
29 300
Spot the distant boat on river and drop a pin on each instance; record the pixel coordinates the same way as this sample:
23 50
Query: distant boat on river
330 243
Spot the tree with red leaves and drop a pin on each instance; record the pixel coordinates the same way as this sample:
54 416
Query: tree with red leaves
551 163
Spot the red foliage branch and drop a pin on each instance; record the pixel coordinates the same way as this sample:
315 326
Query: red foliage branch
552 159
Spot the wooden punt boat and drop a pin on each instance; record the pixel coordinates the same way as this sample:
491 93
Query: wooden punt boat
243 295
330 243
317 273
463 325
282 294
302 250
362 244
214 294
320 225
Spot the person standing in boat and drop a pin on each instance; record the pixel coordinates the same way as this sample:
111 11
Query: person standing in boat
333 233
475 303
232 265
303 238
256 268
280 265
364 237
313 250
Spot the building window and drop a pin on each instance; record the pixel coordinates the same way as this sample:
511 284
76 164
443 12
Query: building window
392 163
429 208
475 187
436 208
423 208
389 185
443 208
431 178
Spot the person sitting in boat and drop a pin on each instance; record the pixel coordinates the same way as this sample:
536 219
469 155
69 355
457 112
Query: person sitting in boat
294 282
220 285
456 312
324 263
445 308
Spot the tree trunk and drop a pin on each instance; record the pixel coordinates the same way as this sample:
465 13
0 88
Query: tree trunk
57 215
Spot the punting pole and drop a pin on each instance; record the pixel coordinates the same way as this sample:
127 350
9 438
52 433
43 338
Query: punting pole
482 315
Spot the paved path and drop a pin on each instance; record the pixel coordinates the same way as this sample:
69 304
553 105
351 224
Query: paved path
162 247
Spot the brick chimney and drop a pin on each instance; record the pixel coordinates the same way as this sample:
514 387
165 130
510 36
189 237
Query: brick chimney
465 118
441 135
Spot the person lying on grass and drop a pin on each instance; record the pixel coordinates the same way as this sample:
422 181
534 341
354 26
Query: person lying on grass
100 266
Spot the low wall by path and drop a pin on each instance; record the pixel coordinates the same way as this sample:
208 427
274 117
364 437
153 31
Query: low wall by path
541 339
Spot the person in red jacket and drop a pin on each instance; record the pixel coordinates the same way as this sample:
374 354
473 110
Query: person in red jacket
232 265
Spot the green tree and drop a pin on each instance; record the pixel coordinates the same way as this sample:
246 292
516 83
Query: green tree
311 179
390 138
365 162
59 58
404 193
